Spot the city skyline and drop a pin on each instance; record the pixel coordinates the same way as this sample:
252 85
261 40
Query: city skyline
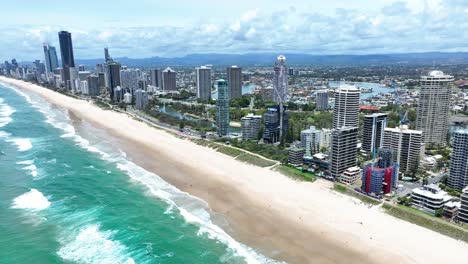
336 27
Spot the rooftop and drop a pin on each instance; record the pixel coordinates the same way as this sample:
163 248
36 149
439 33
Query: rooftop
432 191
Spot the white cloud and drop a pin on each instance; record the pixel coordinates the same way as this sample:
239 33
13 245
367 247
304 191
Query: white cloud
397 27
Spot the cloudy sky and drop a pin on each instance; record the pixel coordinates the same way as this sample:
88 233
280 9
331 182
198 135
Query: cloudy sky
145 28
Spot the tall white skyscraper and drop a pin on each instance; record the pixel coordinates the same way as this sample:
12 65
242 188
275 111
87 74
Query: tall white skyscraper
433 107
204 83
346 111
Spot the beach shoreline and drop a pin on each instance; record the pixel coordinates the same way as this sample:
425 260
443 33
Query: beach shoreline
297 222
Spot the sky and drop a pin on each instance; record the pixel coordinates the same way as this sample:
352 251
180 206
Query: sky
147 28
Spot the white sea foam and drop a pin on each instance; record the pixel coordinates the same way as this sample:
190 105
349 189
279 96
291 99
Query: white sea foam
4 134
92 245
193 209
23 144
33 200
25 162
32 168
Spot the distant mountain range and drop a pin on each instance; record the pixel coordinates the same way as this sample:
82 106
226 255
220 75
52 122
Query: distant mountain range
293 59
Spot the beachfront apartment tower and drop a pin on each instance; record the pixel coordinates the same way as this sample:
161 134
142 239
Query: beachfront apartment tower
156 77
407 147
373 131
169 80
458 175
433 107
234 78
463 212
68 60
112 77
129 79
280 80
343 151
321 100
50 55
346 111
272 119
251 125
222 108
203 83
310 140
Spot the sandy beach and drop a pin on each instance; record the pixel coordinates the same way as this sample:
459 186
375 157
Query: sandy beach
296 222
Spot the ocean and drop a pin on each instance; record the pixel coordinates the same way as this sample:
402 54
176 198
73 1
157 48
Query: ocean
69 195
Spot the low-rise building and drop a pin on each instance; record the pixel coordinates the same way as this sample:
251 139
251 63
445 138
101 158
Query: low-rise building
450 209
296 156
463 212
429 198
350 175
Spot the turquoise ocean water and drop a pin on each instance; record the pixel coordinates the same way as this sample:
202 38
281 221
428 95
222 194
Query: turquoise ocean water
69 196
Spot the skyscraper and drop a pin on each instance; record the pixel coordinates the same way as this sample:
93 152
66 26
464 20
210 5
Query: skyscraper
234 78
433 107
93 85
156 77
373 131
458 176
380 177
346 111
112 77
141 99
272 119
169 80
50 55
321 100
107 57
280 80
203 75
222 108
129 79
407 147
66 51
343 150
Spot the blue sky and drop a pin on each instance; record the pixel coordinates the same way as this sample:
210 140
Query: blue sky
145 28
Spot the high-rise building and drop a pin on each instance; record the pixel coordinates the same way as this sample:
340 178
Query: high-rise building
68 60
280 80
343 151
112 77
234 78
380 177
93 85
433 107
222 108
129 79
100 68
346 111
203 75
50 55
156 77
463 212
101 80
373 131
310 140
407 147
321 100
271 117
251 125
169 80
107 57
81 68
141 99
458 176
